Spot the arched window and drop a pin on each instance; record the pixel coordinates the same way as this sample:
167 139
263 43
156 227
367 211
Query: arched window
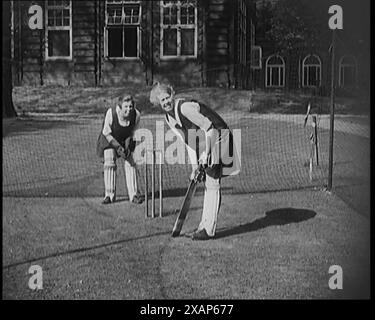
275 71
311 71
347 71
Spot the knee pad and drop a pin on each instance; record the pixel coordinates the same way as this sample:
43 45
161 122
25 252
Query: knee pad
129 163
212 184
109 158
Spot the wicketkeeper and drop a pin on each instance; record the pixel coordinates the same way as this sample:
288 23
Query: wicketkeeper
220 157
116 140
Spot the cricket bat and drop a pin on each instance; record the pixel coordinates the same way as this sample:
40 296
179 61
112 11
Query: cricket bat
199 174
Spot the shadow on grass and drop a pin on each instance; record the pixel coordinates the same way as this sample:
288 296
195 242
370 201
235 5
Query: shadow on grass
85 249
277 217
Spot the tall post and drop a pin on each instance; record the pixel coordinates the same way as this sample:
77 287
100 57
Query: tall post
332 112
161 184
146 186
100 48
315 124
96 69
150 33
153 166
12 32
20 50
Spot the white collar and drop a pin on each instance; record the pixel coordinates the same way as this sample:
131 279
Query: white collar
177 116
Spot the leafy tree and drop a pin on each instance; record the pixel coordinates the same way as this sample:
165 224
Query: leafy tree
264 15
295 24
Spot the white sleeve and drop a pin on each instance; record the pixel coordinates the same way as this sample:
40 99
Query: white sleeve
107 123
137 120
191 110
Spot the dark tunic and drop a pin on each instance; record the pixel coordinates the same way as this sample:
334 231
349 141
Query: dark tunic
119 132
217 123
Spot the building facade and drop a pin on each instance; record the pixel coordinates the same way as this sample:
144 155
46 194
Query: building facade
309 69
111 43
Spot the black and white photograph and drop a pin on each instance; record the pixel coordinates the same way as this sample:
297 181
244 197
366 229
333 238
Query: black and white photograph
186 154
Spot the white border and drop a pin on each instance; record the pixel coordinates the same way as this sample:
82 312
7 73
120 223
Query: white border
139 34
304 85
259 66
69 28
178 27
275 66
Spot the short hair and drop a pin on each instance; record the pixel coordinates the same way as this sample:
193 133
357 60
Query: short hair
157 89
126 97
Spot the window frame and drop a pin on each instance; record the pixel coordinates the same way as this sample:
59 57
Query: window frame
123 26
258 66
59 28
273 66
341 75
304 65
178 27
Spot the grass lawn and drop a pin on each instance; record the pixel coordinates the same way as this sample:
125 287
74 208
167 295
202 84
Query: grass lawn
91 101
269 245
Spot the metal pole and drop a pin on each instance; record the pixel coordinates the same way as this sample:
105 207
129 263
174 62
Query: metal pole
12 32
332 113
316 139
20 49
151 43
153 183
161 184
311 156
146 187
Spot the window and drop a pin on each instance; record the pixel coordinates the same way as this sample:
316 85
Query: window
58 30
275 71
122 31
311 71
178 29
347 71
256 57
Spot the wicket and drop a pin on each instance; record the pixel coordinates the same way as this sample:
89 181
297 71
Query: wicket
313 147
160 182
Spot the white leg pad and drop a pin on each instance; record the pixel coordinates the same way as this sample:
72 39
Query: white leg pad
110 173
131 178
211 206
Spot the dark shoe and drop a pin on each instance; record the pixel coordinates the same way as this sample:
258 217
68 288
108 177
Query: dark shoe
107 200
201 235
137 199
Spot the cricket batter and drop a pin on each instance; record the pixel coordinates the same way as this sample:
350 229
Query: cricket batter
116 140
219 158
